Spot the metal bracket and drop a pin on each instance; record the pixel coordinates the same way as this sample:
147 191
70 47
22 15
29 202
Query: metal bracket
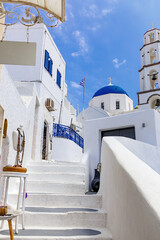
27 16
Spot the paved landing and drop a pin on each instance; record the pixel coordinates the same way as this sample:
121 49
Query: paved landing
52 233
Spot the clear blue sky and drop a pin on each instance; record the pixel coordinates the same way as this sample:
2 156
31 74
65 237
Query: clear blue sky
102 38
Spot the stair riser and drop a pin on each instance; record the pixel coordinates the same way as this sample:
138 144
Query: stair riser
33 187
60 185
61 201
60 163
64 201
99 237
56 169
70 220
68 178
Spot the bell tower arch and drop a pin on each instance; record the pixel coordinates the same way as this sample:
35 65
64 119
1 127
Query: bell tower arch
150 68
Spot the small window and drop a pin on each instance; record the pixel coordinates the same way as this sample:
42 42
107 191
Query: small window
156 85
59 78
48 63
117 104
102 105
50 66
46 60
152 37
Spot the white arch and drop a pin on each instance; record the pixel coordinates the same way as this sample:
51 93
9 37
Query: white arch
152 100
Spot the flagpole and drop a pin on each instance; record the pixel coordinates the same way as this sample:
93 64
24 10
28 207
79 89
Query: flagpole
78 109
83 110
82 83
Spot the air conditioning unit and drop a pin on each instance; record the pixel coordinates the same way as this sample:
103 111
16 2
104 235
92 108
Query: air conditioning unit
49 104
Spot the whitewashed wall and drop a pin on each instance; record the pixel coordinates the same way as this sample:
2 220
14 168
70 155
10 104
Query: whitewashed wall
146 152
17 113
150 56
148 134
19 33
91 113
143 98
147 35
1 126
1 110
130 193
45 83
126 104
66 150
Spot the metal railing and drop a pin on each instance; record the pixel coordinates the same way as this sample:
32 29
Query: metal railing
68 133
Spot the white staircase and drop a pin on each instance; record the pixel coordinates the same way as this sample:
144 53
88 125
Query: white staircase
57 206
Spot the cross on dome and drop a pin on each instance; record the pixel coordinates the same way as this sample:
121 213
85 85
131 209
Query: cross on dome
110 81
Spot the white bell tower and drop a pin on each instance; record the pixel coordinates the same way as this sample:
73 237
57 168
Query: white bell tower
149 95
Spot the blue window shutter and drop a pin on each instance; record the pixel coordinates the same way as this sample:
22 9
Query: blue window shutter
46 60
50 66
58 78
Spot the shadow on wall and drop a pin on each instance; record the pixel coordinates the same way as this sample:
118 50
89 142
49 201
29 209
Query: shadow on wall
130 192
147 153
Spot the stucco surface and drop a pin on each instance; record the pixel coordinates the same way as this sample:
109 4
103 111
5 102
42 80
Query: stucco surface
94 127
147 153
130 193
66 150
46 85
17 114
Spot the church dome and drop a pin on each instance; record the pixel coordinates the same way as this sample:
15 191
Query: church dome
109 89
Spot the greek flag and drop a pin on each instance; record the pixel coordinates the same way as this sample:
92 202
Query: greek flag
82 83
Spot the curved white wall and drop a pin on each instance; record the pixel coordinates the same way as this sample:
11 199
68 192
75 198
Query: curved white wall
130 193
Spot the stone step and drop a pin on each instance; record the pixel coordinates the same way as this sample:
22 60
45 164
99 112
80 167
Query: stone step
65 218
59 163
56 169
64 177
55 187
59 234
52 200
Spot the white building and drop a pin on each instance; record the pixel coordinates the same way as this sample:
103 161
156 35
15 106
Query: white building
107 101
112 99
39 93
57 206
116 116
149 94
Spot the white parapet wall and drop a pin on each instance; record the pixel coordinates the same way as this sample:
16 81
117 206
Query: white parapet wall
65 150
130 193
146 152
95 127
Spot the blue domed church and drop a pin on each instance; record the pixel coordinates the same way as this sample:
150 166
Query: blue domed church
110 113
112 99
109 89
